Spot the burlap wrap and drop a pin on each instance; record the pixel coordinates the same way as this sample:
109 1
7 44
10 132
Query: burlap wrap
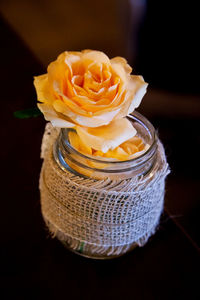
100 218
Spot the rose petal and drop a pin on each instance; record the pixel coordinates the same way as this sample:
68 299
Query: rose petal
107 137
56 119
139 153
78 144
94 121
119 71
97 56
123 62
43 89
140 91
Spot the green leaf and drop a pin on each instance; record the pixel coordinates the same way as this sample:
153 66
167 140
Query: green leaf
27 113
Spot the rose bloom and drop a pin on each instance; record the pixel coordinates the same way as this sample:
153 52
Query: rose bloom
86 90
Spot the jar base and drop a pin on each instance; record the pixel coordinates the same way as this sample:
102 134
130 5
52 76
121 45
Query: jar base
93 251
98 252
96 256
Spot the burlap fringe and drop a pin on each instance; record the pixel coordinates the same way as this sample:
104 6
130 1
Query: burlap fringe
100 218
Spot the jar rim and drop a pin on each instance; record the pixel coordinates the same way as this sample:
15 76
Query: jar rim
136 161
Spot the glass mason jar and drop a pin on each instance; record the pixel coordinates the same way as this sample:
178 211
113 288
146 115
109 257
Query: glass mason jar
99 207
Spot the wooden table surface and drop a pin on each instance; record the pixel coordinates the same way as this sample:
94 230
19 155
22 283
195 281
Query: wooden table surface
34 266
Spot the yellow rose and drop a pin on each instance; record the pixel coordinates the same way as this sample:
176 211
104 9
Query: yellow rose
87 90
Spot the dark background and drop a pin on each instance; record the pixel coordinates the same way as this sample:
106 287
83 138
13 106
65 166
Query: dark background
160 41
